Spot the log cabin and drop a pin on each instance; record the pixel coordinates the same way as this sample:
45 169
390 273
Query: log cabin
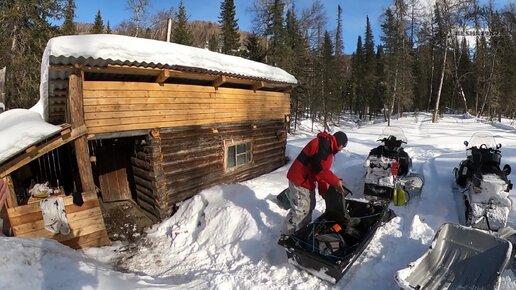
157 122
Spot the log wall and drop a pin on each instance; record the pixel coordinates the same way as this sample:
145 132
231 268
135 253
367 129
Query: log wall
176 163
122 106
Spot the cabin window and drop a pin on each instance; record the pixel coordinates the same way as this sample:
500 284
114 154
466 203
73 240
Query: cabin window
238 154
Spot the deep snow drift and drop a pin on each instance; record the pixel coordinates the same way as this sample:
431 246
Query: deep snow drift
225 237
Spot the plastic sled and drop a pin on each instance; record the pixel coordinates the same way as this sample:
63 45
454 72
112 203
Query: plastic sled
329 245
459 258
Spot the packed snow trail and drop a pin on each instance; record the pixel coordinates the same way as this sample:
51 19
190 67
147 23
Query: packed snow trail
226 236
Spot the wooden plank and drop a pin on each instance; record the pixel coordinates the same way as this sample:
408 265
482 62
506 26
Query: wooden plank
258 85
182 114
42 149
34 216
93 226
219 81
141 86
168 124
72 218
34 207
163 76
186 119
95 239
136 92
176 107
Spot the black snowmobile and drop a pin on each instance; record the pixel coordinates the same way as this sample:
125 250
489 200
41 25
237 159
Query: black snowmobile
329 245
483 185
388 170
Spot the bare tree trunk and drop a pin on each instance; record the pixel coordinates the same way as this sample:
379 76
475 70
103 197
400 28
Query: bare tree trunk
393 99
436 109
488 90
457 81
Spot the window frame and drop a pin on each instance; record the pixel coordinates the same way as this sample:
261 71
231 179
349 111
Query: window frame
235 143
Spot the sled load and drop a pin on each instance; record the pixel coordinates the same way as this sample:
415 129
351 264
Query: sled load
483 185
329 245
388 170
459 258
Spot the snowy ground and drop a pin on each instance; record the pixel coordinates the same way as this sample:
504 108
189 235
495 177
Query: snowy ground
225 237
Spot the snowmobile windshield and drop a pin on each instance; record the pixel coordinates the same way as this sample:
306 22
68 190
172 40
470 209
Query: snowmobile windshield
482 138
393 131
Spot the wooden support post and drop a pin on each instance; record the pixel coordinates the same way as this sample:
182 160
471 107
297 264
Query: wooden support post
11 200
82 153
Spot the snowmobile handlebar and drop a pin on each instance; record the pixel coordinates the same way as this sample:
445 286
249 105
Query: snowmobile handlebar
387 139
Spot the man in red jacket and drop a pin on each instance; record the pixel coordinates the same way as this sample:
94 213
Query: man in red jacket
312 166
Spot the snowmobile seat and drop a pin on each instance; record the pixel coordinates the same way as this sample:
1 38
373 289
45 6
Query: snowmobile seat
459 258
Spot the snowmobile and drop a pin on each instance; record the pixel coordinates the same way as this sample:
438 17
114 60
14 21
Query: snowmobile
328 246
459 258
483 185
388 170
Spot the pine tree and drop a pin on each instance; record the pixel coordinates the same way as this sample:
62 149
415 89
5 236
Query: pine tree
98 25
357 73
253 48
181 34
339 44
25 33
369 66
299 64
276 33
108 28
229 28
213 42
68 24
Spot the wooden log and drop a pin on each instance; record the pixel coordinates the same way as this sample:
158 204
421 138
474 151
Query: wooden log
82 153
11 200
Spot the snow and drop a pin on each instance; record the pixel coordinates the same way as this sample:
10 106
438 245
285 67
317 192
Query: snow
21 128
226 236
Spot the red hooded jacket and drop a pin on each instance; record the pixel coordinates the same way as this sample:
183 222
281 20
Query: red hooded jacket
313 164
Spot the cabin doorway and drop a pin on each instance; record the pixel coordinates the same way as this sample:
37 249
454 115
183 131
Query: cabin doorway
112 168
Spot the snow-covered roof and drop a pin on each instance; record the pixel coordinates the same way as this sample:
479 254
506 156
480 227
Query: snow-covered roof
102 50
19 129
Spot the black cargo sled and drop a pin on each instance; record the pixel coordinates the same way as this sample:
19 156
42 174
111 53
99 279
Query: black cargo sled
459 258
484 187
388 170
329 245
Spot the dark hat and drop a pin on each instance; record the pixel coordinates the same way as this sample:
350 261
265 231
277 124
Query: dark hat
341 138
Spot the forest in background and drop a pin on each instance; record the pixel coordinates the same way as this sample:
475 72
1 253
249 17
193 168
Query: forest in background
459 57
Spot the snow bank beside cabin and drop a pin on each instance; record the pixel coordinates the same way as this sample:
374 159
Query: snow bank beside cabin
20 128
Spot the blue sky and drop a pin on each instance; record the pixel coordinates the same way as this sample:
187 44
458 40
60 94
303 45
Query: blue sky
354 13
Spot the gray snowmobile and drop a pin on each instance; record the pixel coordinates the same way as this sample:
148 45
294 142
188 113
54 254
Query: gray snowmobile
483 185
